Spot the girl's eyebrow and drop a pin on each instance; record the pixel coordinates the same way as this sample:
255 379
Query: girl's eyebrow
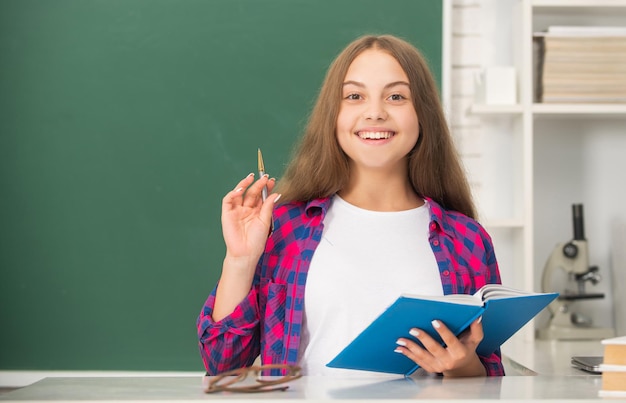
387 86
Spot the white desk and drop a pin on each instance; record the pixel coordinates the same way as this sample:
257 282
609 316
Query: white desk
554 357
188 389
554 379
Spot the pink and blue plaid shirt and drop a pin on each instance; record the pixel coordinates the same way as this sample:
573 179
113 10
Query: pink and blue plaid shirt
269 320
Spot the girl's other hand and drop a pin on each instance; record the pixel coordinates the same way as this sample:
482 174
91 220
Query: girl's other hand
457 358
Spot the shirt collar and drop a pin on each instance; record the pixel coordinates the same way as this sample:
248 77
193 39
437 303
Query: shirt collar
317 206
437 215
320 207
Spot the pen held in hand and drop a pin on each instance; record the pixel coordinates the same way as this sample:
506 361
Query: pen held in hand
262 172
264 191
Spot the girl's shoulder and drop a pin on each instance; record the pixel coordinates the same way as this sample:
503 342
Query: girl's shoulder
454 222
295 223
302 209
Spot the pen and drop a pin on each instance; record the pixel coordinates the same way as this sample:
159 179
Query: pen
262 172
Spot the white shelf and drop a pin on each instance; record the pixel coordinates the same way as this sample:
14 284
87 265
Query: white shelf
579 109
584 110
578 3
482 109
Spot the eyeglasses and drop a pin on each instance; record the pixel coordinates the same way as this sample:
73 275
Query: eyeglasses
223 382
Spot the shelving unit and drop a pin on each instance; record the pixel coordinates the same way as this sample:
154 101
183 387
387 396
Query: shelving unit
520 196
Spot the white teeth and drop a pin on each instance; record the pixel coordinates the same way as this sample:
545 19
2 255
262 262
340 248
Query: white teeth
375 135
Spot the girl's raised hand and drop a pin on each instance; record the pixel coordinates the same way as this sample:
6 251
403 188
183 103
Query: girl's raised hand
246 223
246 219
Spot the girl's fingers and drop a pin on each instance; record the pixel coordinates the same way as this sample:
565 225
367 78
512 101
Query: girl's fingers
235 196
431 345
268 207
416 353
270 185
476 334
248 193
446 335
254 192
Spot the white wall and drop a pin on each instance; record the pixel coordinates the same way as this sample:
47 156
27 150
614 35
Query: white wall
581 162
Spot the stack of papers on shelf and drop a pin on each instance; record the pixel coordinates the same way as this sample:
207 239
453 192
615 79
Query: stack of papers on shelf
580 65
614 368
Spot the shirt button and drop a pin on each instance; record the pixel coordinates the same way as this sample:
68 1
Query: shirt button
433 226
436 242
446 272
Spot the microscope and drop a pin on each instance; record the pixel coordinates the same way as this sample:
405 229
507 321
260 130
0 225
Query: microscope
572 258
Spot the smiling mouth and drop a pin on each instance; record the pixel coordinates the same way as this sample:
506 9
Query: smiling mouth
375 135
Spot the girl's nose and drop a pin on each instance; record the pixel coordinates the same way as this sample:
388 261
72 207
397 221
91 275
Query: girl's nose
375 111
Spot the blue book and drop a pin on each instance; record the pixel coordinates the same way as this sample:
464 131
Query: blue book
504 311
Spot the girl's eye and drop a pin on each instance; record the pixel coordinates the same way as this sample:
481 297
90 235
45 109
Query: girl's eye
353 96
397 97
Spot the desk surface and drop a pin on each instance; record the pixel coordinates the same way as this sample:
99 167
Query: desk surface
554 357
550 361
183 389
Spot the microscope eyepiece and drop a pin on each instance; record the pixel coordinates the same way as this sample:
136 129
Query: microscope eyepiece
579 225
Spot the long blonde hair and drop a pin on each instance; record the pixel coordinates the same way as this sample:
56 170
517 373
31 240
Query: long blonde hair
319 168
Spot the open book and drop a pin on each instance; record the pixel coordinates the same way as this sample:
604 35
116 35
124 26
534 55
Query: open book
504 311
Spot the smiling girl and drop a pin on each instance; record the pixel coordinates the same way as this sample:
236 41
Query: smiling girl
374 203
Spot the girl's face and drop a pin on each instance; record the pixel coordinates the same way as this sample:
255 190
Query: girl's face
377 125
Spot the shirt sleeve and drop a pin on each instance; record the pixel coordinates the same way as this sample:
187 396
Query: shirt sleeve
232 342
493 364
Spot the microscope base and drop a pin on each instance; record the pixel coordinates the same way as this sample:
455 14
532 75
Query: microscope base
574 333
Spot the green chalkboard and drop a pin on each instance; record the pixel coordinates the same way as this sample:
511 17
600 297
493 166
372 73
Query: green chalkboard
122 125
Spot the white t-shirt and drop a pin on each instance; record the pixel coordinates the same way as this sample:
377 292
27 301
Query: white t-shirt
364 261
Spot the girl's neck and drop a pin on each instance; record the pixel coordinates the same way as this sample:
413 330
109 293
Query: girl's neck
380 192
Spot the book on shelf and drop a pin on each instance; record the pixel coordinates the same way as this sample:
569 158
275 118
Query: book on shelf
583 99
583 76
580 48
613 368
586 30
583 88
580 64
504 311
592 68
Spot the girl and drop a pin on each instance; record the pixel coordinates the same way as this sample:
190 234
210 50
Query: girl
374 203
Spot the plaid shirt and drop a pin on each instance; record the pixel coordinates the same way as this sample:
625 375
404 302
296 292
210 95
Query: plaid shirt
269 320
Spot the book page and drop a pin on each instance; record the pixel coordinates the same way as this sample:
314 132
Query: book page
464 299
494 291
486 292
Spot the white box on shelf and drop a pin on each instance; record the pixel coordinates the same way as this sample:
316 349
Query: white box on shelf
496 85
